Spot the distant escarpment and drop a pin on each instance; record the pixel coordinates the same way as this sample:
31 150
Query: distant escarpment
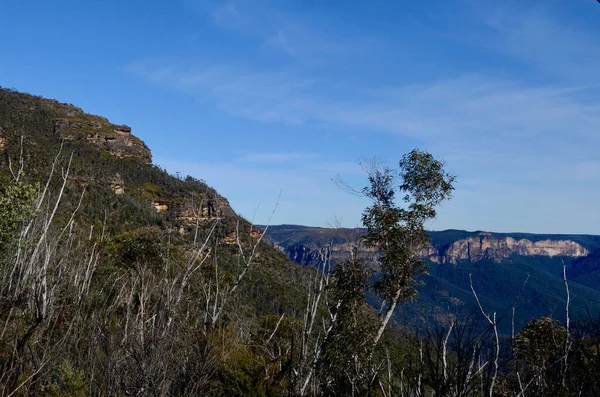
447 247
497 248
496 263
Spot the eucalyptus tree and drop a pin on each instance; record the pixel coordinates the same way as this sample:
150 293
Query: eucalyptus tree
397 229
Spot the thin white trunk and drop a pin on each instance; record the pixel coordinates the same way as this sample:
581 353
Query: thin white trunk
445 352
493 324
386 319
567 320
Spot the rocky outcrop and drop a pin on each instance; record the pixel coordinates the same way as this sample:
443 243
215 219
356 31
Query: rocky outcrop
160 207
211 207
116 139
310 255
117 184
497 248
301 244
302 254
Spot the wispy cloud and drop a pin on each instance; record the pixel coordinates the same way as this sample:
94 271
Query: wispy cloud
277 96
228 15
277 157
535 34
272 28
281 40
479 111
519 126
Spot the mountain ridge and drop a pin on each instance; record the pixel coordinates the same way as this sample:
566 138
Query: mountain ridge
498 269
124 191
448 246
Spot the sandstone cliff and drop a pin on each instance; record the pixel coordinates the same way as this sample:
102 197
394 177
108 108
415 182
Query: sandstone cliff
116 139
212 206
301 245
489 246
72 123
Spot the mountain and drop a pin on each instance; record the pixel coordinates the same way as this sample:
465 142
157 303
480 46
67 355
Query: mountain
122 187
499 264
116 274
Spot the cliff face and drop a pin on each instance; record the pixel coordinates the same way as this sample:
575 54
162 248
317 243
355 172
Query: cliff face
301 254
496 263
488 246
106 158
301 245
116 139
213 206
72 123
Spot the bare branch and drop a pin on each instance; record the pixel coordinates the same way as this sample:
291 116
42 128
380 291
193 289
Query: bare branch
493 324
276 328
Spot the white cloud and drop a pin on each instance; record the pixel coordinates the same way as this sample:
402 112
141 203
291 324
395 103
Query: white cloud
277 157
522 137
478 112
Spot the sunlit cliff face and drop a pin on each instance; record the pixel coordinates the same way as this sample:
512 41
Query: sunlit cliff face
486 246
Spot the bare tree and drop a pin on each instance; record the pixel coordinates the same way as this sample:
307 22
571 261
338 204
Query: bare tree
494 325
48 267
568 342
217 294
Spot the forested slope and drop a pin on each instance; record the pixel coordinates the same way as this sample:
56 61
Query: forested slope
118 275
498 270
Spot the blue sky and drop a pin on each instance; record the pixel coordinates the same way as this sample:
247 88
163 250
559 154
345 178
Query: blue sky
262 96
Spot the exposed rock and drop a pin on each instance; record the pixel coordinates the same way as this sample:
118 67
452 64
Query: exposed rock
98 131
160 207
210 208
311 255
213 207
125 129
302 245
302 254
230 240
487 246
117 184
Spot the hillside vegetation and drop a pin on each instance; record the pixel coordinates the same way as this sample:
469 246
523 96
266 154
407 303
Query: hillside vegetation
137 274
118 279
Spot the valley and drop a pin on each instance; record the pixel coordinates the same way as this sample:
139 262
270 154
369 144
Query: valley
498 262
